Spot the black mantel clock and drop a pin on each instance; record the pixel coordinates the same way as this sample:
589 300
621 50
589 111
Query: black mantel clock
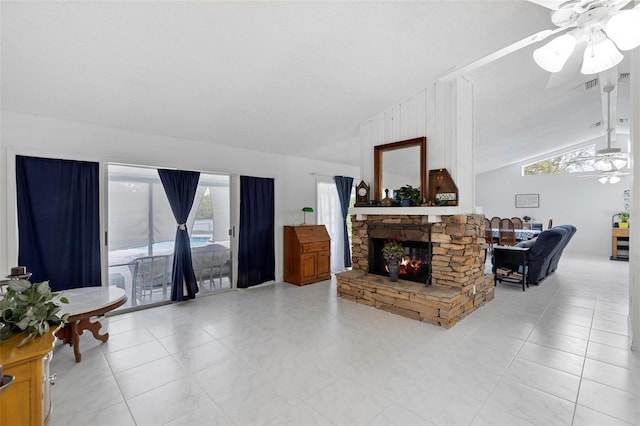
362 194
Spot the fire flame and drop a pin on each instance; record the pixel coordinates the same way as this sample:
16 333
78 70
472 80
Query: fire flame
408 266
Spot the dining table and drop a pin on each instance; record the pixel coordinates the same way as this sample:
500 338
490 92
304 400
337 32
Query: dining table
521 234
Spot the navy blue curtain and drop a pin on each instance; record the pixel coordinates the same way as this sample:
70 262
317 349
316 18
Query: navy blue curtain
59 221
256 253
344 185
180 187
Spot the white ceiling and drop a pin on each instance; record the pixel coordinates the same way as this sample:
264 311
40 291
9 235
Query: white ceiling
286 77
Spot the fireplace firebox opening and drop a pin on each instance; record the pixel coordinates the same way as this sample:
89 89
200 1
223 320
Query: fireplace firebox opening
415 266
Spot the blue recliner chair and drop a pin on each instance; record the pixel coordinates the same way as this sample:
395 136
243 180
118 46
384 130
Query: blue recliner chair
535 258
571 230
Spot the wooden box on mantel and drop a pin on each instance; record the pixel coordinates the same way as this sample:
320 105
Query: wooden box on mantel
442 189
307 254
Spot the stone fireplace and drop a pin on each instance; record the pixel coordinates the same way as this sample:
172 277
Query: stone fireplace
456 283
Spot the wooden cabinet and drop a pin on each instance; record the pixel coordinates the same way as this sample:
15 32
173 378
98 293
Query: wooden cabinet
27 401
307 254
619 243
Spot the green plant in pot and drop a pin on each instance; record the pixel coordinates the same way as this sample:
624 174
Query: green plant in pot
393 253
624 219
408 196
29 308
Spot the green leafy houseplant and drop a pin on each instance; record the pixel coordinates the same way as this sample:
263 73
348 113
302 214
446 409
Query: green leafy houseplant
29 308
410 193
392 250
624 216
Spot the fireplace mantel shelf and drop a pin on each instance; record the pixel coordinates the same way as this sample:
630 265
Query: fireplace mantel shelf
434 213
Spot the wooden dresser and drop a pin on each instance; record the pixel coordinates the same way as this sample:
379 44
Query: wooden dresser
27 401
307 254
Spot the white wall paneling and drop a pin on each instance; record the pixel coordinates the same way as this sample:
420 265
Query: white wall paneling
444 114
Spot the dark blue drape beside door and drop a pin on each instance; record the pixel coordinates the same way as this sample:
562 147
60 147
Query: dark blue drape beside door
180 187
344 185
256 253
59 221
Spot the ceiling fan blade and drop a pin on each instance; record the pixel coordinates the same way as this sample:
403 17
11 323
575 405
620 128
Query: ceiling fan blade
534 38
549 4
570 73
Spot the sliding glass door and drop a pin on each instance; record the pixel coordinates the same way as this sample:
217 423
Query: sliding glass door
141 230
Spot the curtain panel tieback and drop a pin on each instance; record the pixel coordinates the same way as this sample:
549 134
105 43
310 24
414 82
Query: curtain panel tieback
182 226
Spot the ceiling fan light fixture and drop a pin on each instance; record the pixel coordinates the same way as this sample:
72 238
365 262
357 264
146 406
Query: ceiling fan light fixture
611 178
624 29
552 56
608 163
600 54
603 165
618 163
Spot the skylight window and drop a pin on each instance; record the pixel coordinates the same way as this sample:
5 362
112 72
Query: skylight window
576 161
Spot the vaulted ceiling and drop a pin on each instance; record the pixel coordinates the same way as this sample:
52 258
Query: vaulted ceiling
287 77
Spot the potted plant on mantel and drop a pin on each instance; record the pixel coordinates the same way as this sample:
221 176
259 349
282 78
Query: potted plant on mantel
408 196
393 253
29 308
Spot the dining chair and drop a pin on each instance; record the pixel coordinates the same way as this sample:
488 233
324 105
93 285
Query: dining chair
202 261
211 264
495 222
149 273
517 222
506 233
488 235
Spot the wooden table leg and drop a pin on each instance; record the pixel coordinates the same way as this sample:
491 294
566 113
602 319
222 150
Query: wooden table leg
94 328
75 341
70 334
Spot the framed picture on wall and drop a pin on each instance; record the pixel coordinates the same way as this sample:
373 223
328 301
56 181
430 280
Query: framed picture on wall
527 200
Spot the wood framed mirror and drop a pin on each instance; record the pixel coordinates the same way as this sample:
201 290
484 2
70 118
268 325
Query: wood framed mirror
400 163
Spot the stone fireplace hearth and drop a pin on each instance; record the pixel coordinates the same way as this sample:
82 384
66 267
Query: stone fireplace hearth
458 283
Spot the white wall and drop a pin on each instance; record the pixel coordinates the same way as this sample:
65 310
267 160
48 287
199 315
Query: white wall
634 231
567 199
23 134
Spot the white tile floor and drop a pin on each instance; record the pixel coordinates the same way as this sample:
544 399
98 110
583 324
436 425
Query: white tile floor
281 354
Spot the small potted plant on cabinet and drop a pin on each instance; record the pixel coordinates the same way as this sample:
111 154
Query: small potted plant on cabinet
624 219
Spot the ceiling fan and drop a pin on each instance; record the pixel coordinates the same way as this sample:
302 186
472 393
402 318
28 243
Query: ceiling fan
606 177
609 161
593 30
596 30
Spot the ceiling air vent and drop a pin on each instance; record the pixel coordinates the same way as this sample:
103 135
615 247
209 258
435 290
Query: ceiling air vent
624 76
591 84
